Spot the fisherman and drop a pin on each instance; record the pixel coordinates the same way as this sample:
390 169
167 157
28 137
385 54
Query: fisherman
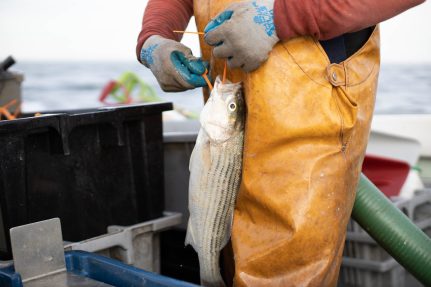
309 71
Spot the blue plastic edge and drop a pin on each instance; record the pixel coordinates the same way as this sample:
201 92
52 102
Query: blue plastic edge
101 269
9 278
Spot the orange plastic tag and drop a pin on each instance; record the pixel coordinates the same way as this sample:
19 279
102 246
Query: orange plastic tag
204 75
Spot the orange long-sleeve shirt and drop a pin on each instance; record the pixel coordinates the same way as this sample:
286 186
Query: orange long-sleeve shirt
322 19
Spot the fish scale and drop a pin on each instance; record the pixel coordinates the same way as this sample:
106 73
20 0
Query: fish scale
212 225
224 193
215 174
216 241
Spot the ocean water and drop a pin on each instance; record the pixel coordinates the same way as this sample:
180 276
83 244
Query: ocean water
403 89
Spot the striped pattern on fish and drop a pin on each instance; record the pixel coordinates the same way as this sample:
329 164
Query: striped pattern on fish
215 177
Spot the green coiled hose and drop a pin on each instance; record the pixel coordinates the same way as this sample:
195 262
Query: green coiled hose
393 230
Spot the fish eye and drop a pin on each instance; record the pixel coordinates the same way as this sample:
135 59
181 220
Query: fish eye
232 107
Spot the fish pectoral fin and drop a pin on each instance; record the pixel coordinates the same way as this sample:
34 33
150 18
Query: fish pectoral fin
192 156
190 237
200 153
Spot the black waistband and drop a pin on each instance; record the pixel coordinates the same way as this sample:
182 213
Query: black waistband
340 48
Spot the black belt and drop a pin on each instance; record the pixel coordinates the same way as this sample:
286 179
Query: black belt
340 48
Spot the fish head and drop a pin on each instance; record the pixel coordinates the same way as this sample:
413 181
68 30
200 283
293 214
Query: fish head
224 113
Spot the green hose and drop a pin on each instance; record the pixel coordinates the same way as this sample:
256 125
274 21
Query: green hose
393 230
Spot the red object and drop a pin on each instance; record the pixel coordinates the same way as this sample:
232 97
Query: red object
320 19
107 90
387 174
109 87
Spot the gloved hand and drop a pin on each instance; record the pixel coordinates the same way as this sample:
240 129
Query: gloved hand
173 64
244 33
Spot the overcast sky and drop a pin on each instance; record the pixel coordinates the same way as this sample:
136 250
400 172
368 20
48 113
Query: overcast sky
106 30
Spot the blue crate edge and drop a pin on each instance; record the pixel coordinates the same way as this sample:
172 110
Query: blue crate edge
102 269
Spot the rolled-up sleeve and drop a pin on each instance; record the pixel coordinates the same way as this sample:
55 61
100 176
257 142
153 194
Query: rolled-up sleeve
324 19
162 17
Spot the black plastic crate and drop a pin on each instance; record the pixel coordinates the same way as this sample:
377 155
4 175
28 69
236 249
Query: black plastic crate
91 168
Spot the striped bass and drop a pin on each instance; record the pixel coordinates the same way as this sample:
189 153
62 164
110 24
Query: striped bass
215 176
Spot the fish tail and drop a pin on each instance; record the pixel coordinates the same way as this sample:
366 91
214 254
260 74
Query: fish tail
210 271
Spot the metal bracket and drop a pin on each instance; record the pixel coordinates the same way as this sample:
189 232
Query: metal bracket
38 254
37 249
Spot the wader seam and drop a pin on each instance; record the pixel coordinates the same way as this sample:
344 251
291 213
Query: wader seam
365 78
300 67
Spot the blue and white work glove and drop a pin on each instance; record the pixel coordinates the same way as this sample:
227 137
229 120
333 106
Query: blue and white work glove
173 64
244 33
